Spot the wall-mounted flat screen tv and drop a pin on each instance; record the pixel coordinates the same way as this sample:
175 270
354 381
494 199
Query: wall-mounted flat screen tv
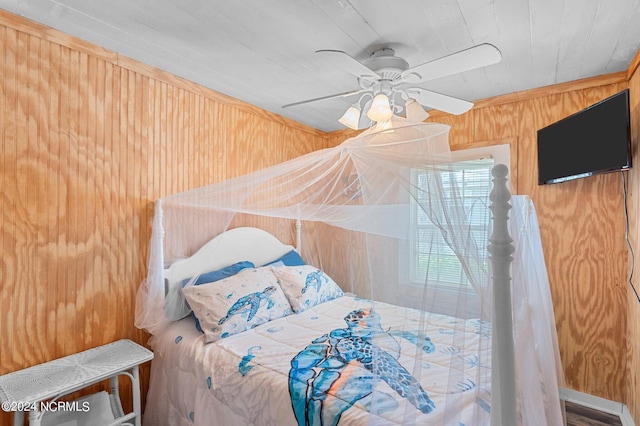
592 141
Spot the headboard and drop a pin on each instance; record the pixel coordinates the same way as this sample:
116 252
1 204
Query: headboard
235 245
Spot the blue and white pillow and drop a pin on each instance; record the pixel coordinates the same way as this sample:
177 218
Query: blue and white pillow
237 303
218 274
213 276
306 286
291 258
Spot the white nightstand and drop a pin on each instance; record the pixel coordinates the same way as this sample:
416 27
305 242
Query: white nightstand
30 389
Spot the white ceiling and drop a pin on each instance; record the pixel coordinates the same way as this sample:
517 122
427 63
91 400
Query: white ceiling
262 51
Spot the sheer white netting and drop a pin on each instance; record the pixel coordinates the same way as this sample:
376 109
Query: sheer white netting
394 217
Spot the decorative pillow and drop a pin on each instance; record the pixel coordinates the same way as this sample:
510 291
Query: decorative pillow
238 303
217 275
291 258
306 286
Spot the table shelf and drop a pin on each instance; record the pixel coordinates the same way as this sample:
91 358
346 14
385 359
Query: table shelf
26 389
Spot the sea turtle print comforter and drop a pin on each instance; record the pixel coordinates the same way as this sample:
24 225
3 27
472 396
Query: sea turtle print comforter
343 362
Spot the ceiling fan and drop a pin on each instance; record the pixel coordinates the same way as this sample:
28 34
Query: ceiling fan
388 84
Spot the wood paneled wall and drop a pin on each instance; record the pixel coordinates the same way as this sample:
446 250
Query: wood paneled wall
582 225
88 141
582 228
633 303
583 231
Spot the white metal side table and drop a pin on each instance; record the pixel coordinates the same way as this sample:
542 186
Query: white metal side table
33 388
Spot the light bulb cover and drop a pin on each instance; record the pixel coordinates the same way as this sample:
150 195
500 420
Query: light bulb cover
380 109
351 117
414 111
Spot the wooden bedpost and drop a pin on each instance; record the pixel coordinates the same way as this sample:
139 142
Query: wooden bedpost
503 385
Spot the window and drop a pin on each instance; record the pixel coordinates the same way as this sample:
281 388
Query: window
428 250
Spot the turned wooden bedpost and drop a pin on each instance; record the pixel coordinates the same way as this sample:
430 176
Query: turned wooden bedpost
503 385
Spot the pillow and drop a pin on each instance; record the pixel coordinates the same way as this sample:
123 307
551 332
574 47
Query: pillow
214 276
219 274
291 258
237 303
306 286
175 305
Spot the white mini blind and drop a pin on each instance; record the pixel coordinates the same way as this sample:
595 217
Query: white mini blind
429 253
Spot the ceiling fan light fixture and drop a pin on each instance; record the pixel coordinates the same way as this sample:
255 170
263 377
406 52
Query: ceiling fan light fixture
414 111
385 75
380 109
351 117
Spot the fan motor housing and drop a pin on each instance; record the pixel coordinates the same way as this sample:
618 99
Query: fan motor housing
386 64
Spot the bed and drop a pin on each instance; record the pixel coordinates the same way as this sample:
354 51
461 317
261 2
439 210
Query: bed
332 330
248 378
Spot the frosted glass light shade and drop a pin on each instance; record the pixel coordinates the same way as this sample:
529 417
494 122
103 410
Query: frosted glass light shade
414 111
380 109
351 117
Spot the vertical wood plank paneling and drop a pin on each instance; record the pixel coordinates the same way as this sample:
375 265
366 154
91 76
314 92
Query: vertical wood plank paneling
119 144
218 145
51 65
84 198
42 127
108 303
132 196
24 271
30 188
87 146
67 225
110 126
9 191
88 128
93 215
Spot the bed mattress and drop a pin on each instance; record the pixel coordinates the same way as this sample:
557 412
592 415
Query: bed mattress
312 368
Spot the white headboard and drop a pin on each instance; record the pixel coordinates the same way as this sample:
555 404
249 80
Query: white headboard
235 245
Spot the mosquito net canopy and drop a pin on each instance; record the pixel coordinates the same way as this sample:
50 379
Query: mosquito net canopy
402 224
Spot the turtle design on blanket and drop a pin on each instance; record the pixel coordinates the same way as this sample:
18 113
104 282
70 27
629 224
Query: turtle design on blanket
249 304
341 367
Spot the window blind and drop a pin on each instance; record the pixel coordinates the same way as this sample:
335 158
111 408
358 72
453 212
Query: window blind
429 253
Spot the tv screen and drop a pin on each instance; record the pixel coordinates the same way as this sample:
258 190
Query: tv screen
592 141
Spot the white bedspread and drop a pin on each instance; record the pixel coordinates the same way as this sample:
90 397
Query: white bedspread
244 379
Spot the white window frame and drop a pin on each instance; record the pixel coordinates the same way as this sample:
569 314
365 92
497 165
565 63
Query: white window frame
500 155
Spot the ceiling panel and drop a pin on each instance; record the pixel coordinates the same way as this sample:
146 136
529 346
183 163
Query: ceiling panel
262 52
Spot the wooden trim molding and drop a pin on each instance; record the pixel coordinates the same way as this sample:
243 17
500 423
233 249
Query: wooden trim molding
513 156
43 32
633 66
540 92
522 96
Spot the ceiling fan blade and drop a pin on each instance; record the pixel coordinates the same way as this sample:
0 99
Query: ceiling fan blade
322 98
343 60
474 57
440 102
